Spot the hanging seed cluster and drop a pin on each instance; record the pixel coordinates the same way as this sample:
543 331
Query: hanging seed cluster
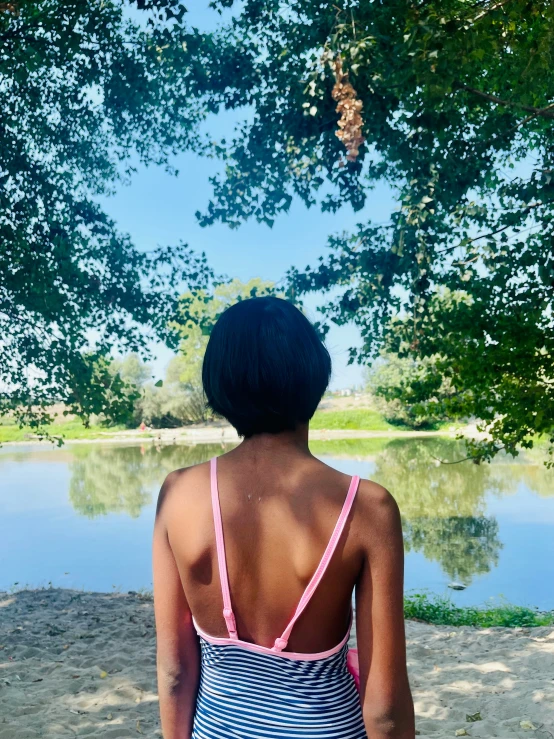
349 107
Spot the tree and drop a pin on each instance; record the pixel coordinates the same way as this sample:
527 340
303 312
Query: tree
200 312
392 380
181 399
122 382
455 103
87 91
106 395
133 370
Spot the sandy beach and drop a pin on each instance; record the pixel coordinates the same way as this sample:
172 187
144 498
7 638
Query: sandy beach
83 664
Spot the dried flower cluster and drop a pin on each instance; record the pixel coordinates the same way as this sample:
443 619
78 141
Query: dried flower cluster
9 8
349 106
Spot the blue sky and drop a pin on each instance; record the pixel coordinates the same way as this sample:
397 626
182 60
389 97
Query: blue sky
158 208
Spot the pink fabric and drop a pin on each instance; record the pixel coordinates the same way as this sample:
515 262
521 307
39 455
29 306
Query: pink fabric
250 647
282 641
353 664
228 614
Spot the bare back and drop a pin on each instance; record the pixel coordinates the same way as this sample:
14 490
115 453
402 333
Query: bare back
278 516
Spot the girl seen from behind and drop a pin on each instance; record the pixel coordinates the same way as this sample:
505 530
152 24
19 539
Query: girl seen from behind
257 556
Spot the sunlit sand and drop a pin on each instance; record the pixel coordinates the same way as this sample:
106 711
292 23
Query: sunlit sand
83 664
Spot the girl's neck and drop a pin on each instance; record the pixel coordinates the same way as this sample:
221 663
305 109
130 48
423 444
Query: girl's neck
283 444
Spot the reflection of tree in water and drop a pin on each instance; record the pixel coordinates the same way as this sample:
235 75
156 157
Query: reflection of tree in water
537 478
463 547
124 479
425 488
442 505
348 448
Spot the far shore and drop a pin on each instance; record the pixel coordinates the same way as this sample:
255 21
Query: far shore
226 434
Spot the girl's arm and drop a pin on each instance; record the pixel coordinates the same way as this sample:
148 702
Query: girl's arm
385 691
178 656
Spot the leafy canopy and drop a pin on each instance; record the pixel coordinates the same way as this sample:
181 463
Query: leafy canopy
456 101
87 91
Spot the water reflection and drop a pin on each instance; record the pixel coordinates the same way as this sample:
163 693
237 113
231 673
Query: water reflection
521 472
464 547
443 506
489 526
125 479
423 487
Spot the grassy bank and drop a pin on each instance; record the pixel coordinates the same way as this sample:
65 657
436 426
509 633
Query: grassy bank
66 430
358 419
363 419
441 611
352 419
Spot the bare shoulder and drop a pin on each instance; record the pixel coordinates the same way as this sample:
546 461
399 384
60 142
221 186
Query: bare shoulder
182 486
376 514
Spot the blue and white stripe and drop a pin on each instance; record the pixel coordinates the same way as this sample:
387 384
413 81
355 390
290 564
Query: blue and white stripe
245 694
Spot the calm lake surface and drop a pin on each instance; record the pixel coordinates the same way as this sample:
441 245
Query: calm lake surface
81 516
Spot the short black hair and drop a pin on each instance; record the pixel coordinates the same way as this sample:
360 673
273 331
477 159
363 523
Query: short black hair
265 368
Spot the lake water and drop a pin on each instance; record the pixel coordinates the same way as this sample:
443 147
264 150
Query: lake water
81 516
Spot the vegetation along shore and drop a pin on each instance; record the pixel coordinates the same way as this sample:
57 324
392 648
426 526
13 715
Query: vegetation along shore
337 419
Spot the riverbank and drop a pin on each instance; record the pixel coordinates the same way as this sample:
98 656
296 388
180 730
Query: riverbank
215 434
83 664
336 418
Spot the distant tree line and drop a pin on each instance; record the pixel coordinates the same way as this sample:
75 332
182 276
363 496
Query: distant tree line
178 399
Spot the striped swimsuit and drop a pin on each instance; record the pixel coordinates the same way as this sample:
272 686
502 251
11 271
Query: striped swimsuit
248 691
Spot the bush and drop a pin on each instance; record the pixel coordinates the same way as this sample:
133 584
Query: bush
171 406
388 378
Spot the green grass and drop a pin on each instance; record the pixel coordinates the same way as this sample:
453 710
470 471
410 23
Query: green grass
69 430
439 610
358 419
366 419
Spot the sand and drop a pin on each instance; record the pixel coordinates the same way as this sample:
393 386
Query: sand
83 664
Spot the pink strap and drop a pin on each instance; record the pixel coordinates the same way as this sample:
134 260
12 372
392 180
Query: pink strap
282 641
228 614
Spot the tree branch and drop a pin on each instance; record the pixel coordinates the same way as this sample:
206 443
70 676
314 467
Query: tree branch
486 11
546 112
526 208
473 458
475 238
